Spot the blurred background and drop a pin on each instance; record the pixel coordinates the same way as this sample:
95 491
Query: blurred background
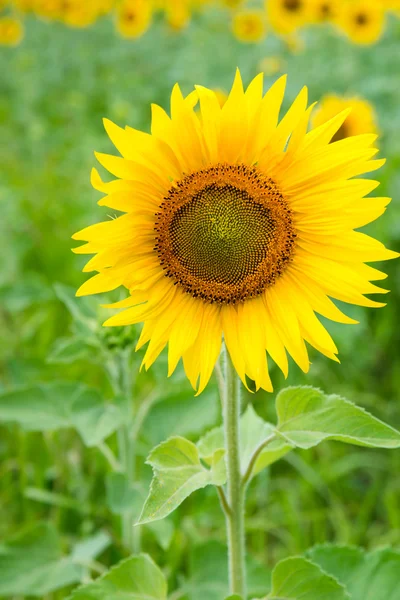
66 507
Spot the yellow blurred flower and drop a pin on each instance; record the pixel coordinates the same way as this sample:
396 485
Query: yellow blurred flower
76 13
133 17
271 65
105 6
322 11
11 31
391 4
362 118
49 9
362 20
295 44
24 5
286 16
231 3
177 13
249 26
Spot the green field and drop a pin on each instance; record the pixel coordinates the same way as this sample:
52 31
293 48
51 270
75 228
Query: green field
60 496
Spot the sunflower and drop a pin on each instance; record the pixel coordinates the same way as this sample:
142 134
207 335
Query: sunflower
11 31
271 65
361 119
177 13
23 6
76 13
285 16
323 11
48 9
236 224
232 3
249 26
391 4
362 20
134 17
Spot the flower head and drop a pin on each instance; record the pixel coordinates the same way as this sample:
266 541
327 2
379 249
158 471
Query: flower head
237 223
11 31
249 26
361 118
362 20
285 16
134 17
323 11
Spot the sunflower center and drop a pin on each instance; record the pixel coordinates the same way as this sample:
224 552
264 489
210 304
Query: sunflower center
361 19
224 233
325 10
292 5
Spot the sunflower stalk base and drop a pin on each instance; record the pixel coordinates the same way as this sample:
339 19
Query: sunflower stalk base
235 489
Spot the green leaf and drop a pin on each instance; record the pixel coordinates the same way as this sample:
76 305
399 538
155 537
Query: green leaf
89 548
31 563
367 576
94 419
67 350
136 578
163 532
297 578
55 499
234 597
52 406
178 472
307 417
180 413
208 573
82 309
122 496
253 432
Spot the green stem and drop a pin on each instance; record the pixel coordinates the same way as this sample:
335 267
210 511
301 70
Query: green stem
119 369
236 492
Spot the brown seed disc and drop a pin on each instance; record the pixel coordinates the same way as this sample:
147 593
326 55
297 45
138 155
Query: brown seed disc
224 234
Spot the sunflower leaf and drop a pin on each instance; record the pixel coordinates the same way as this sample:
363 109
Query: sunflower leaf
365 574
296 577
306 417
254 431
178 472
59 405
31 563
136 578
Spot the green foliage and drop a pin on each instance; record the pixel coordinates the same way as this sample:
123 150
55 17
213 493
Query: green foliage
208 573
53 406
31 563
136 578
253 432
299 579
122 495
307 417
178 472
366 575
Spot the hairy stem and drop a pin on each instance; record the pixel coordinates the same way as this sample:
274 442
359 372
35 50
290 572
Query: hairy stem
253 459
235 490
